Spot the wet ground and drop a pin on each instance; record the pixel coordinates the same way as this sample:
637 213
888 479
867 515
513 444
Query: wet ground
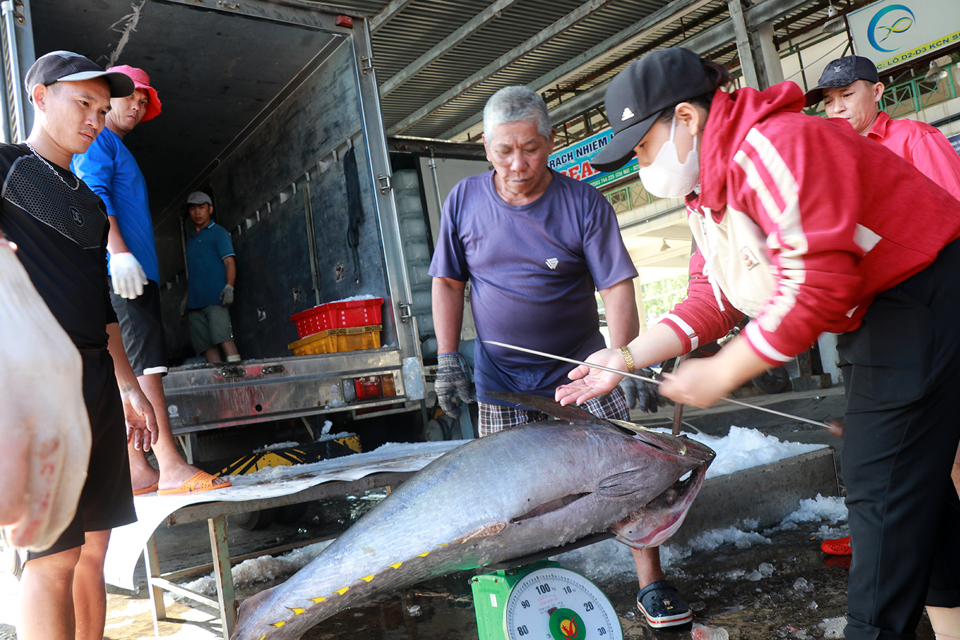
792 602
783 588
778 586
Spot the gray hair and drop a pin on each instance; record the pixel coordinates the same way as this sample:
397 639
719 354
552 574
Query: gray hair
516 104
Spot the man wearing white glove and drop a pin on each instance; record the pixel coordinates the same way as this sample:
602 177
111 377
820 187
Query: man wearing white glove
212 270
126 274
111 171
58 349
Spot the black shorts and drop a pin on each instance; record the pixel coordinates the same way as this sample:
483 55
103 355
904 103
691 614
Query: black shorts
106 501
142 329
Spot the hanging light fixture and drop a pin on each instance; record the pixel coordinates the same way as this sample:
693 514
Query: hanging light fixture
935 74
834 23
665 246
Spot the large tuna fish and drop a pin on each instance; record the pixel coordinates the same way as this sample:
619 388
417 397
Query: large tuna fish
505 496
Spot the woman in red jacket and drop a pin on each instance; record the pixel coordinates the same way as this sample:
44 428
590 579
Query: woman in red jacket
806 227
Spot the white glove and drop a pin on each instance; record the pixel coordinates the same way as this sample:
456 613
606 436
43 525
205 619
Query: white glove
127 274
226 296
44 429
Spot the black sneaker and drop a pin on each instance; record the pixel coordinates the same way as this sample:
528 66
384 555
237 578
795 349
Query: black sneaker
661 604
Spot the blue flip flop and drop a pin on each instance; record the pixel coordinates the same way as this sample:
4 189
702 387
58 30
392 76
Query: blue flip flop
662 606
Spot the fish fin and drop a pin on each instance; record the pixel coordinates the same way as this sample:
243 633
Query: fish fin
570 413
623 483
550 507
678 445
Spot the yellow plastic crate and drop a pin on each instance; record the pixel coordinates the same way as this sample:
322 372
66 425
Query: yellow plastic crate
338 340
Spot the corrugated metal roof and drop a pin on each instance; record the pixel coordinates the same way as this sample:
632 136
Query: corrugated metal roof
446 95
523 20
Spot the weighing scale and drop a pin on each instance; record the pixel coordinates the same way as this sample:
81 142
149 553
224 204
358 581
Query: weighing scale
542 601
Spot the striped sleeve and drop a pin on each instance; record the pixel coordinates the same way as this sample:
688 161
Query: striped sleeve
810 222
698 319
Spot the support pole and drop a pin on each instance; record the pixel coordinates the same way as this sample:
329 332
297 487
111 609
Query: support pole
747 63
221 565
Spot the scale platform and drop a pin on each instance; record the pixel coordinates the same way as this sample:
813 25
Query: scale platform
542 601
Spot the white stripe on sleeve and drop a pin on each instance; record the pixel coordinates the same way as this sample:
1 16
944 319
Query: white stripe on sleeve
756 338
686 328
793 245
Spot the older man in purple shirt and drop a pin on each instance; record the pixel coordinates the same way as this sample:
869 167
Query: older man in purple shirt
536 247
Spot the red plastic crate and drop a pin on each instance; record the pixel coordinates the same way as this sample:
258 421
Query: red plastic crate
338 315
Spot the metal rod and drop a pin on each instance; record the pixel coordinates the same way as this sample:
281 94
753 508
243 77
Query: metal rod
678 407
683 422
19 128
831 428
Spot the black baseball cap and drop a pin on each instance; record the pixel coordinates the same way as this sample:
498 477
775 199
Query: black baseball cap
657 81
840 73
65 66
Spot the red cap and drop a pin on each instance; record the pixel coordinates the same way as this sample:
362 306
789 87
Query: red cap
142 81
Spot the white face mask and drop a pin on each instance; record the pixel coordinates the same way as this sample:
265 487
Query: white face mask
665 177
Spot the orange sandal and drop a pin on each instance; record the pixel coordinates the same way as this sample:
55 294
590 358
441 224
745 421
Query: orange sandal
837 546
146 490
200 481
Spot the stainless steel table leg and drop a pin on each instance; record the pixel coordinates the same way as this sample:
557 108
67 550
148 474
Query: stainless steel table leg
221 568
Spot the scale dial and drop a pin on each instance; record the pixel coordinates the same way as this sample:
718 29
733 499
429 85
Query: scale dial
554 603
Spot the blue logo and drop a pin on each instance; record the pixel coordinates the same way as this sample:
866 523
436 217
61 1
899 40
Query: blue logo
900 24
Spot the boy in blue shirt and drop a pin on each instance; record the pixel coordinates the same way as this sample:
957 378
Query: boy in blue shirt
212 273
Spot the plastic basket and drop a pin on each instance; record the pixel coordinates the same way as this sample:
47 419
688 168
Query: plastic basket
338 340
338 315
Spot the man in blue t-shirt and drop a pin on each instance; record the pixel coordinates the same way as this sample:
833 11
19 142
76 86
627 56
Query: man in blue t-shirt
212 272
536 247
110 170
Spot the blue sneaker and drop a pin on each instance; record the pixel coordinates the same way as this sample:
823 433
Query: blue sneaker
661 604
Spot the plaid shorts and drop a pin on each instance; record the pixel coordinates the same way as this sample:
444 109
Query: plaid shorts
494 417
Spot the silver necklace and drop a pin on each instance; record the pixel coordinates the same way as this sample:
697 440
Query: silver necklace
55 172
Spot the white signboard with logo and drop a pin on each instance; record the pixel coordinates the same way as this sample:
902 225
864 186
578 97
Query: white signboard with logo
574 161
891 32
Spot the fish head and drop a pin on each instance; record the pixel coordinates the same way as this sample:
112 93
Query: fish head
656 521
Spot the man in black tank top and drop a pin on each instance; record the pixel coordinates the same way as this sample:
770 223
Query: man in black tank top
60 229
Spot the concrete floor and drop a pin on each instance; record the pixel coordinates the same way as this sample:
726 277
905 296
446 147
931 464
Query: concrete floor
800 593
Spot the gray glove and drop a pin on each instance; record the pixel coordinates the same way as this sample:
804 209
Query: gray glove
451 383
641 394
226 296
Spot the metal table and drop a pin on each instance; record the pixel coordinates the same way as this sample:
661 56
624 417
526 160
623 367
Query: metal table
215 513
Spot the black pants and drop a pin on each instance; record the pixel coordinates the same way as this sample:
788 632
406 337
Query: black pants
106 501
902 374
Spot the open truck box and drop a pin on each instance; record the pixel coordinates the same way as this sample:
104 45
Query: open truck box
272 109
